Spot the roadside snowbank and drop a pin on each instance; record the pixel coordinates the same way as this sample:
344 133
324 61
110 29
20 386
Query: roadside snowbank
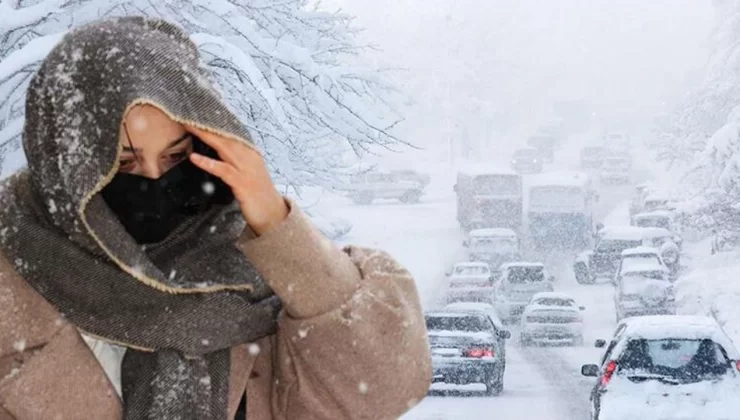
712 287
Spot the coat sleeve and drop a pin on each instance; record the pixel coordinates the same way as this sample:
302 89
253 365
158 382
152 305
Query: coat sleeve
352 341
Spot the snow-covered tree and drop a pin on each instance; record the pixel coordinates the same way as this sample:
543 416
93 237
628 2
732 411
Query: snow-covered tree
291 72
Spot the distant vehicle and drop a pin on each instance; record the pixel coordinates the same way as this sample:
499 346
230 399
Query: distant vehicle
666 367
527 161
592 156
616 169
668 243
494 246
464 348
560 210
603 260
489 197
657 201
658 219
617 140
406 186
552 317
637 202
518 283
470 282
501 333
644 288
545 144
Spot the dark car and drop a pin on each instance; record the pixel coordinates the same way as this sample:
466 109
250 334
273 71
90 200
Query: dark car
603 260
545 145
527 161
465 349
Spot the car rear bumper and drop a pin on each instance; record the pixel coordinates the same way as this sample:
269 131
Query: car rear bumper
464 371
552 332
511 310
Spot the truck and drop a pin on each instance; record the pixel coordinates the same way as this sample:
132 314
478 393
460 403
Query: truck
489 197
560 210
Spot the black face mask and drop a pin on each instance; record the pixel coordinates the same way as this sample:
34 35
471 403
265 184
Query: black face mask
150 209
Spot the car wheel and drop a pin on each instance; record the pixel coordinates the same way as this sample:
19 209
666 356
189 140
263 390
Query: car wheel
493 387
524 341
411 197
582 275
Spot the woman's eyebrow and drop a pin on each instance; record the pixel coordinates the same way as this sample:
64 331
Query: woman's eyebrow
173 143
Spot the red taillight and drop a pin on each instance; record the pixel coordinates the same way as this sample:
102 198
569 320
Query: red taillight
737 365
478 352
608 372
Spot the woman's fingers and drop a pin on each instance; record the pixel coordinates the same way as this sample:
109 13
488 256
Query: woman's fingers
223 170
231 151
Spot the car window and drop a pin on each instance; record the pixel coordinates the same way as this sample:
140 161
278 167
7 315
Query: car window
631 261
616 245
520 275
472 323
657 222
467 270
686 360
555 302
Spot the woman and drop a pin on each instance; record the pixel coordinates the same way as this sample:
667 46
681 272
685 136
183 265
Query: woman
130 287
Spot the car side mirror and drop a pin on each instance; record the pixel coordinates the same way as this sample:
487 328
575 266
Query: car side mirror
505 334
582 308
600 343
590 370
454 188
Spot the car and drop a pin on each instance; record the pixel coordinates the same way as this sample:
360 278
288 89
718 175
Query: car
615 169
592 156
552 317
637 200
494 246
603 260
666 367
638 257
502 334
527 161
545 143
406 186
464 349
644 288
668 243
470 281
617 140
517 284
656 218
657 201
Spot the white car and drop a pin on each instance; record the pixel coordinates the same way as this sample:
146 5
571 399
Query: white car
666 367
493 245
615 169
470 282
519 282
643 287
552 317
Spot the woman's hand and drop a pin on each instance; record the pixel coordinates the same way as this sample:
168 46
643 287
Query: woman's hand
243 169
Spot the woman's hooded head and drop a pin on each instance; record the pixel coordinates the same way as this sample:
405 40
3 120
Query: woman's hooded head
81 93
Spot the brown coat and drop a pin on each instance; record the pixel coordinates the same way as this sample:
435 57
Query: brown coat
351 343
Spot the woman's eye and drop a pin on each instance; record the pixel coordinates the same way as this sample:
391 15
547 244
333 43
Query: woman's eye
126 164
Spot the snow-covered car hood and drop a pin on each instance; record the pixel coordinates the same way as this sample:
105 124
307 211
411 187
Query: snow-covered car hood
648 289
625 400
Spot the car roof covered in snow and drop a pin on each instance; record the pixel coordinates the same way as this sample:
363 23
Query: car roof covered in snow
629 233
478 233
639 250
508 265
654 213
472 264
443 313
658 196
553 295
644 268
562 179
485 169
657 327
655 232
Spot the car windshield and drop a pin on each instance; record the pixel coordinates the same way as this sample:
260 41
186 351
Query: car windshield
495 244
630 261
470 323
555 302
679 359
656 222
471 270
616 245
645 275
520 275
526 153
496 184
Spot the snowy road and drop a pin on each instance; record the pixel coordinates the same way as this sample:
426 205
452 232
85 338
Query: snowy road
541 383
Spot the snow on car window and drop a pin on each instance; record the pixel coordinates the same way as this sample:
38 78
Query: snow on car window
457 323
631 261
656 222
467 270
555 302
496 184
520 275
685 360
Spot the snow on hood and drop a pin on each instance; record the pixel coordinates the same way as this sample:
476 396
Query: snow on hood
76 101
